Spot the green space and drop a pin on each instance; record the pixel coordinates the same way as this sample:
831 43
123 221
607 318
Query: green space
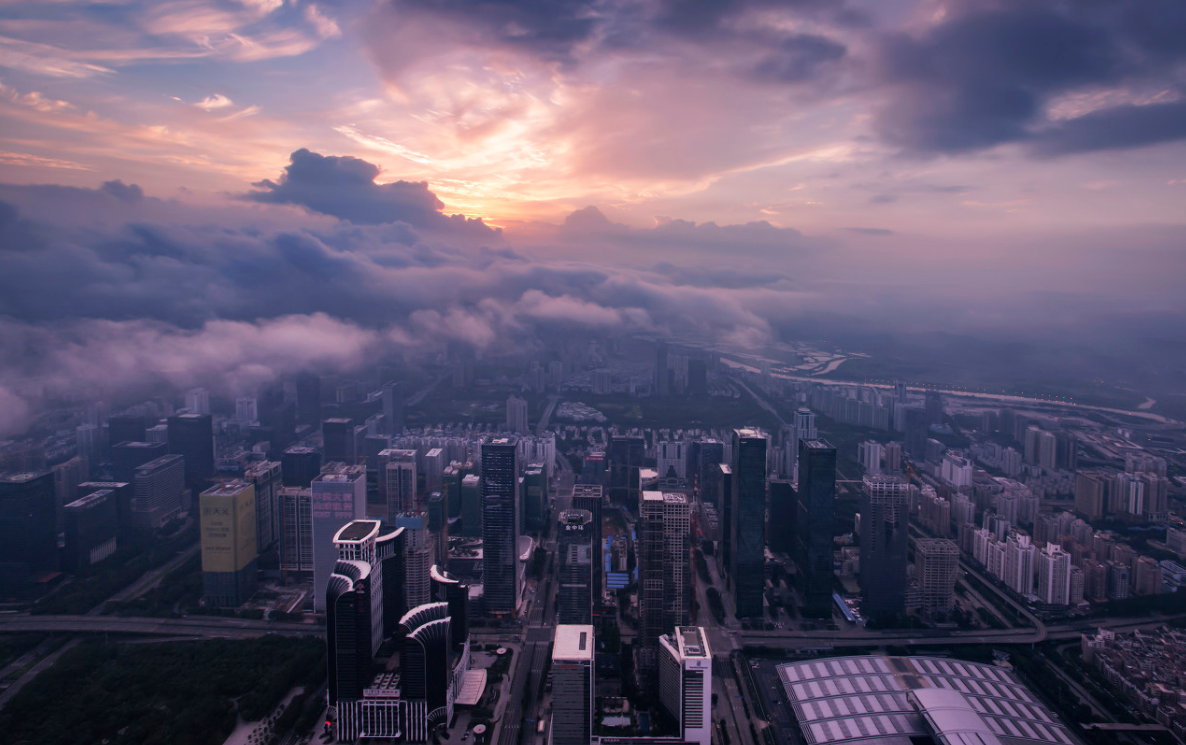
13 646
185 693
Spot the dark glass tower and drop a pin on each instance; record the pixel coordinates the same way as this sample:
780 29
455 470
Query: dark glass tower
300 465
125 428
590 497
192 436
308 390
426 660
127 456
625 458
500 524
749 526
885 515
445 588
814 504
575 596
348 630
389 552
28 529
781 532
337 436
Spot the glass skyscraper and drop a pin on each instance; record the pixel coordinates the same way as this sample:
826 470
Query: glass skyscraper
812 526
500 524
748 558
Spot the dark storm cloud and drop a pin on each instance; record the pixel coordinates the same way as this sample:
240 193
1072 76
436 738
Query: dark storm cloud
797 58
546 27
345 187
982 78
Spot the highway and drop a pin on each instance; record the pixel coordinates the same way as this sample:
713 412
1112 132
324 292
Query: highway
206 627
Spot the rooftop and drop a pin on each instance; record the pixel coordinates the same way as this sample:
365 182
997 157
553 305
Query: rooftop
357 531
89 500
692 642
573 642
227 488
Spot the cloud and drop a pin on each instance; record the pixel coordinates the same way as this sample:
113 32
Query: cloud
345 187
798 57
871 231
986 74
216 101
327 28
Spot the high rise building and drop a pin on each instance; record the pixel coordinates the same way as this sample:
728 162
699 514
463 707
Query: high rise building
748 507
933 407
445 588
338 497
1054 575
308 399
299 465
535 498
358 541
780 534
126 457
426 659
594 469
390 552
664 559
393 409
438 528
296 529
672 459
685 682
67 476
197 401
229 554
517 416
813 527
625 460
126 428
247 410
337 436
712 454
591 498
397 479
662 385
348 628
91 524
28 530
266 476
936 568
869 455
885 515
1019 564
471 506
572 685
192 436
893 457
419 556
158 492
575 553
500 525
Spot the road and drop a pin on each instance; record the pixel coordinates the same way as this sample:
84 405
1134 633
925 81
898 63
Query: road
148 580
207 627
763 403
37 669
546 417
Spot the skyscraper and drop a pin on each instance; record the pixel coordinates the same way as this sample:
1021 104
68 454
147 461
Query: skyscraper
337 436
28 530
91 524
749 526
192 436
126 457
575 554
517 415
936 568
389 552
813 528
1054 575
783 504
426 659
572 685
299 465
664 559
712 454
308 394
393 409
126 428
885 515
471 505
438 528
338 497
357 541
197 401
348 624
229 553
500 524
445 588
397 479
419 556
158 491
265 476
685 682
296 529
625 458
590 497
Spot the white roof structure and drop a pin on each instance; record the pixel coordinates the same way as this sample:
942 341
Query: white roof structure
574 642
471 688
888 700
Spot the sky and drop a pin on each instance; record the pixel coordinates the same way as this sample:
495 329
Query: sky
321 179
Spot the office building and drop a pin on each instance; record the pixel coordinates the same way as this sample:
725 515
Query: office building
390 553
936 568
749 526
869 455
338 497
517 416
67 476
594 469
471 506
448 589
247 410
572 685
158 492
397 479
535 498
348 630
813 526
229 555
28 530
122 493
358 541
885 515
296 528
664 577
126 457
419 556
393 409
438 528
91 524
426 660
500 525
299 465
591 497
672 459
126 428
712 454
780 531
625 460
197 400
337 436
266 476
308 400
685 682
575 557
192 436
